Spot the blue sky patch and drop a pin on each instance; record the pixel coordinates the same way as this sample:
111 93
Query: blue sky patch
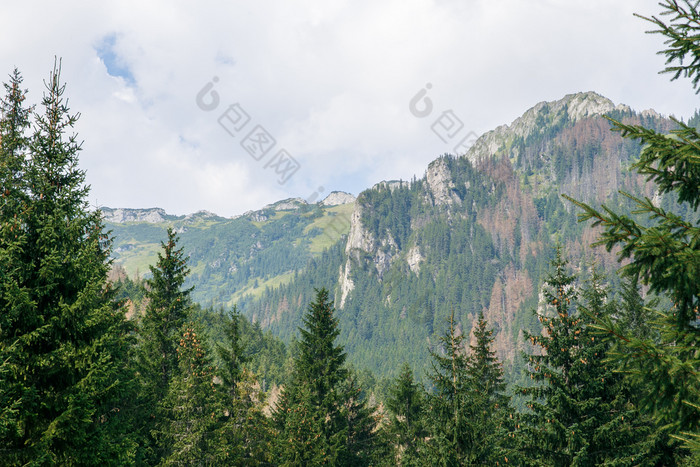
116 65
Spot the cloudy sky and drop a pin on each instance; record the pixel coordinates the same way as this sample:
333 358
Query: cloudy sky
228 106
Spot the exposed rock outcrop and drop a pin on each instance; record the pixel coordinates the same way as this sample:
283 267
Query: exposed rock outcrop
336 198
414 258
440 182
120 216
573 107
346 283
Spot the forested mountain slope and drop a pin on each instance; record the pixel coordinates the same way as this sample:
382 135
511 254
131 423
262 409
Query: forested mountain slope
233 257
474 233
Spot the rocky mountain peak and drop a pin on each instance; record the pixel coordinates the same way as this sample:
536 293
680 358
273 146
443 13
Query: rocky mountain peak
122 215
572 107
336 198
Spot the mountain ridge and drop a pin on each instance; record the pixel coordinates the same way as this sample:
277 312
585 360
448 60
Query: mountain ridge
474 233
158 215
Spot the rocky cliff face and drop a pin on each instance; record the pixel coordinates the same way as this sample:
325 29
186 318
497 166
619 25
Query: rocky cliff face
572 108
120 216
336 198
439 181
507 187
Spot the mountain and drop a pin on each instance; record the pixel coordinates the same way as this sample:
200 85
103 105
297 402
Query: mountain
475 233
233 257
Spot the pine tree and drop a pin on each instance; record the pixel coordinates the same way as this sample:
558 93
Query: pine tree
243 430
405 430
319 418
490 406
159 336
190 409
450 429
580 410
664 254
63 340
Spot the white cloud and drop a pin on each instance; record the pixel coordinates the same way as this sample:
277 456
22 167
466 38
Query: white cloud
330 81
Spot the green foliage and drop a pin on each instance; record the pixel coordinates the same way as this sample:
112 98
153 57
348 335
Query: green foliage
664 253
64 378
682 38
308 416
362 444
467 411
189 413
320 418
231 354
405 429
159 337
228 256
581 412
243 431
490 406
167 311
450 430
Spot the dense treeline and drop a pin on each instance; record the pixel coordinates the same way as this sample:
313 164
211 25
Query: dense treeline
612 370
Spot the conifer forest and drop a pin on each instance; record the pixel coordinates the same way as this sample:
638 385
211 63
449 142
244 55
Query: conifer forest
535 306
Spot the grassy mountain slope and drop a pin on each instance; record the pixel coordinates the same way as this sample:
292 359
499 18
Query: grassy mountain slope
231 258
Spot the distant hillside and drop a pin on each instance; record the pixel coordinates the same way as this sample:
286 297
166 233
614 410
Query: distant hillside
232 258
475 233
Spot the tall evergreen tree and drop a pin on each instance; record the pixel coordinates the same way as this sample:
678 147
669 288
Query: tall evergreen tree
13 202
361 442
63 341
243 430
308 417
231 353
405 429
580 412
664 253
14 143
158 340
490 406
450 429
190 410
167 310
315 408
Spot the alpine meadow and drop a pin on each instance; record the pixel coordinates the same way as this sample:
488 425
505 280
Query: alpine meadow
532 299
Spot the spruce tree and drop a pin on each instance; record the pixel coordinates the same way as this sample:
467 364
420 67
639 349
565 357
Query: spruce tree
13 202
450 430
664 253
319 418
361 442
190 410
580 411
159 336
490 406
63 340
14 143
405 429
231 352
243 434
